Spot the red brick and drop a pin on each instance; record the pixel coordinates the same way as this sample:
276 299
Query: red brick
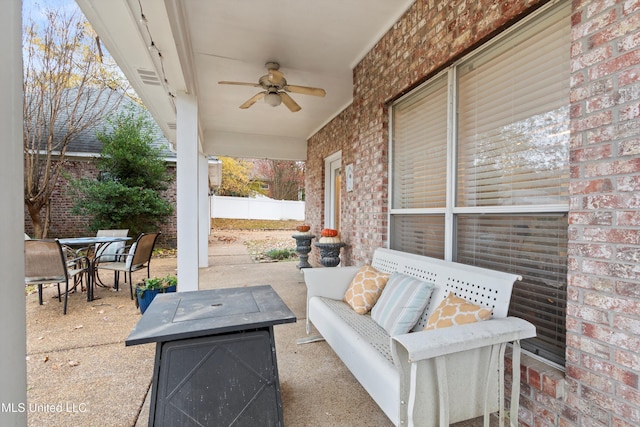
629 147
629 254
591 153
616 64
591 218
591 186
592 25
606 335
591 57
617 422
533 379
630 112
593 121
627 359
629 76
628 218
627 289
617 30
589 314
602 284
610 302
609 201
630 6
595 380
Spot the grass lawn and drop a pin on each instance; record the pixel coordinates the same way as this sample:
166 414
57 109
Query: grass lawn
252 224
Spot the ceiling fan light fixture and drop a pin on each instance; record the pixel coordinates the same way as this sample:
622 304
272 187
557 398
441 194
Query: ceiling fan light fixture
273 99
275 89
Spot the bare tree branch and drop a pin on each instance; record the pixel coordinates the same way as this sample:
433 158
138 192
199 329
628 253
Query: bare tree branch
69 87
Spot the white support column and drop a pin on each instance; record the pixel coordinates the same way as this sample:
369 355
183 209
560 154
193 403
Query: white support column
13 333
187 191
204 212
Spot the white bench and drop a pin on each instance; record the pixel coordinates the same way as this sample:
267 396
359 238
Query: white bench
425 378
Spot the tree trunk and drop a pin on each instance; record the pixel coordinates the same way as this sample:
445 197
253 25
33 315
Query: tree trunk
34 214
47 218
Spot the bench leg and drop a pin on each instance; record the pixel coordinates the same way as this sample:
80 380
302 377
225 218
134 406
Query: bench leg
515 384
497 352
307 340
443 390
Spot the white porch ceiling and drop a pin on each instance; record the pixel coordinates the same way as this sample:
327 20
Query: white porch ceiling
200 42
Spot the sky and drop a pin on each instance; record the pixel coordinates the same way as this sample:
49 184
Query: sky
35 8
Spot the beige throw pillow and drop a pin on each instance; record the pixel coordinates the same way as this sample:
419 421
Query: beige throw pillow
365 289
454 310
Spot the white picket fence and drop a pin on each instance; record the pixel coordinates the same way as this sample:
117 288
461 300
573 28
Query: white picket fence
258 208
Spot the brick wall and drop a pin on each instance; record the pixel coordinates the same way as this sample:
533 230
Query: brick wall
603 311
600 386
63 224
429 37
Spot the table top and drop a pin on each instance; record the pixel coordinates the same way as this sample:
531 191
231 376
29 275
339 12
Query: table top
181 315
82 241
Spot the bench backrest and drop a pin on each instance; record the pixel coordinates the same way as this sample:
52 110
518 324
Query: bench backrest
488 288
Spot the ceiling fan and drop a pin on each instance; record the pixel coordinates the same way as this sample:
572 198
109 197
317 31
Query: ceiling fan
275 89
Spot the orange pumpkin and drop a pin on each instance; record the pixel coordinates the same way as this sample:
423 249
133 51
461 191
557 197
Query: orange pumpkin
329 232
303 227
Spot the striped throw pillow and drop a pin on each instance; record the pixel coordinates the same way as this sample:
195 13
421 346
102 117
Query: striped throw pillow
401 303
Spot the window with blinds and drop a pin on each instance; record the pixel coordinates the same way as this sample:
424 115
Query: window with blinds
419 151
513 119
479 168
535 247
418 234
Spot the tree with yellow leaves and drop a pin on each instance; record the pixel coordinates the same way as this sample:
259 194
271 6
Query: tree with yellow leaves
236 180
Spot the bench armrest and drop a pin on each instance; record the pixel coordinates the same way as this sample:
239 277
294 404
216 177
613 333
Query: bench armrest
328 282
423 358
439 342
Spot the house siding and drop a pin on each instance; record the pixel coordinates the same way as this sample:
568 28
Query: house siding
600 386
64 224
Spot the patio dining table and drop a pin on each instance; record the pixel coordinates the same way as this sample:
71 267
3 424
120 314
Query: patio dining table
80 242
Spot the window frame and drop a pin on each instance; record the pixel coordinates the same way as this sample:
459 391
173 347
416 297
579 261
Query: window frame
451 210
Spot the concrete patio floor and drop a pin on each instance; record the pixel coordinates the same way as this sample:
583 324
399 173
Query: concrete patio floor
80 372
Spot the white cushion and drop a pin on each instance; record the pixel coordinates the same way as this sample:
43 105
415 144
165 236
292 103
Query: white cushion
132 250
357 349
108 251
401 303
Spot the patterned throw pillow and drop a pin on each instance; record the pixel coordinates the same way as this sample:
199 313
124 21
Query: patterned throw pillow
402 302
365 289
454 310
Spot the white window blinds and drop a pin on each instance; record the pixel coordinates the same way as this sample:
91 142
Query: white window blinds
480 168
513 119
419 152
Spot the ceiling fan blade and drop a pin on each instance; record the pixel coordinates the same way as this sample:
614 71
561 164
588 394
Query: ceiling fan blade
240 84
289 102
305 90
255 98
275 76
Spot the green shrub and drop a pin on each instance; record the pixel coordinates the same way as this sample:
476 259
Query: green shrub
279 253
133 175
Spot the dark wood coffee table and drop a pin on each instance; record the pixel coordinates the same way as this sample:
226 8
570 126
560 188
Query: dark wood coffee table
215 358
